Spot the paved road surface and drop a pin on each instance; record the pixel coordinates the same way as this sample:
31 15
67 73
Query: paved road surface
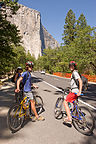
50 131
89 96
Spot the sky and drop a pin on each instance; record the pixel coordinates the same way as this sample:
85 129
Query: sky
53 13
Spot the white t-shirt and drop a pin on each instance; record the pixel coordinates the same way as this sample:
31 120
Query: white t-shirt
74 87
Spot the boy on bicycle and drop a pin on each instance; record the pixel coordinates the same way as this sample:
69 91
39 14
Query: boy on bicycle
26 78
75 91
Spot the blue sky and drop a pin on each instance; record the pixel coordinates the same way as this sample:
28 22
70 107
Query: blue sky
53 13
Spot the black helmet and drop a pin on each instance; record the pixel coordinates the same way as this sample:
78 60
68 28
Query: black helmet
72 63
29 63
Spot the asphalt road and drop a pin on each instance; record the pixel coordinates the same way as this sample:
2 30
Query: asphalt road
50 131
89 95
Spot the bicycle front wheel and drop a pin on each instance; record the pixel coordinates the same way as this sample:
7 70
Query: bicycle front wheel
15 118
39 104
85 123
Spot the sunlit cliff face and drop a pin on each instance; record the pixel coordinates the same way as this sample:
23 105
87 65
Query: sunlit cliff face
35 37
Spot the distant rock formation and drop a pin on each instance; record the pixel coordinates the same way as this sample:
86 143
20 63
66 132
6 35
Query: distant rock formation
35 37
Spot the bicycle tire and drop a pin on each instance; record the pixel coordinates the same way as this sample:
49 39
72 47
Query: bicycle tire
38 104
58 114
39 101
11 120
79 124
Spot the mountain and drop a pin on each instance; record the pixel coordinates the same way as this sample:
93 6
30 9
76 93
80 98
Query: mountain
35 38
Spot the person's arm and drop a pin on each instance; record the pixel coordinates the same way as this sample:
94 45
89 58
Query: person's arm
18 83
16 77
80 87
34 86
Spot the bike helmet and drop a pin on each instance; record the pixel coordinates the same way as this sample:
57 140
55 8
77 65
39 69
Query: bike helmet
30 64
19 68
72 63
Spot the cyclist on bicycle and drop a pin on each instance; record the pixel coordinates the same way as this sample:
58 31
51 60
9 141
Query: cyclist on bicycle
16 77
74 92
26 78
18 73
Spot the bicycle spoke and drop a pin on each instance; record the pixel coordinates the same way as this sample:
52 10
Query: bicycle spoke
14 120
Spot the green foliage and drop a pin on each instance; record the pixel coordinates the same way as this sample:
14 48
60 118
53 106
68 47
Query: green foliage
12 4
81 22
69 28
79 45
9 36
52 61
30 57
20 57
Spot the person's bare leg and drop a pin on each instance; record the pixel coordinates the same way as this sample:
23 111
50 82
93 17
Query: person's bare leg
33 108
67 109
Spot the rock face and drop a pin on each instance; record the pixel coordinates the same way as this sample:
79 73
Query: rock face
35 37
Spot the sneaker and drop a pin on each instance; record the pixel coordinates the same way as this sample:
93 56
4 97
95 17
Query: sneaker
40 118
67 121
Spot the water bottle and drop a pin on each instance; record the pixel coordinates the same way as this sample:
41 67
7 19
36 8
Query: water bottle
69 104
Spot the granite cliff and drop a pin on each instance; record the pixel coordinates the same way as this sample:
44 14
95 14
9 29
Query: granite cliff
35 37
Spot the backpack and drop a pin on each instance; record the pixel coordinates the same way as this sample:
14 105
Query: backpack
12 79
84 82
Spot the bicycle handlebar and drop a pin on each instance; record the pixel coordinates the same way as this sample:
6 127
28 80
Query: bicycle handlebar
80 94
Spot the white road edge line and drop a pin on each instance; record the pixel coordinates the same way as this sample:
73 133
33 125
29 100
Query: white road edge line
78 99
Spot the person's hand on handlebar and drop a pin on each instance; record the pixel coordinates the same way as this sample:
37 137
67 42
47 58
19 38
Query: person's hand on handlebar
34 86
79 93
17 90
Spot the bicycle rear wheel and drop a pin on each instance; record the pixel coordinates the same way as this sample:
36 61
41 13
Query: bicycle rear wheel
58 108
13 119
86 124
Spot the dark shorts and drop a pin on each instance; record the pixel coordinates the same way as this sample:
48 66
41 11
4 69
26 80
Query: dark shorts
71 97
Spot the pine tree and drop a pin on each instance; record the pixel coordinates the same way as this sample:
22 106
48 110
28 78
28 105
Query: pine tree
81 22
69 28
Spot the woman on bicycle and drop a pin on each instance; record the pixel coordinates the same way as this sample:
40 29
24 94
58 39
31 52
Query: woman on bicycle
26 78
74 92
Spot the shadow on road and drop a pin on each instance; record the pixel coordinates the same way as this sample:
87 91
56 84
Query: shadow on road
87 140
35 80
47 90
7 98
90 94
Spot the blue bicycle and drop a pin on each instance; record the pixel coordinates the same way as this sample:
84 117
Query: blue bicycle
82 118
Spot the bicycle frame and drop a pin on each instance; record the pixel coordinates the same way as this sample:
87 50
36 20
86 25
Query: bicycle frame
22 106
75 107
